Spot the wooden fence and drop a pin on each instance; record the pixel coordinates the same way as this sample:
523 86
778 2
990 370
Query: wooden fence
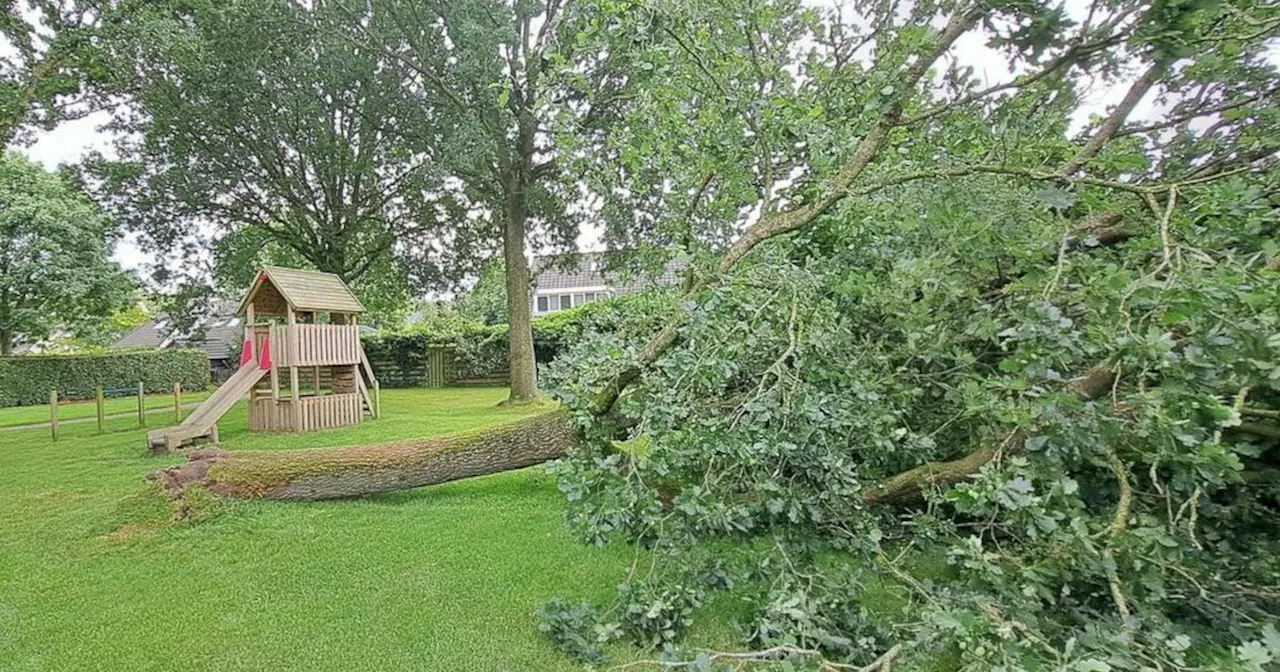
436 369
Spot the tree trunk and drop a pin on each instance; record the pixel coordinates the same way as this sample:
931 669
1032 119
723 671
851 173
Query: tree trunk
332 473
520 359
6 344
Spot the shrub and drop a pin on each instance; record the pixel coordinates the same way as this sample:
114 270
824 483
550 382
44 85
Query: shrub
27 380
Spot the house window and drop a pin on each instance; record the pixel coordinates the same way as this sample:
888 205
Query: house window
590 296
566 301
542 304
578 300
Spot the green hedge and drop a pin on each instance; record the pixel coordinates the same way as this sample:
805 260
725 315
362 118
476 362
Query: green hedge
27 380
478 349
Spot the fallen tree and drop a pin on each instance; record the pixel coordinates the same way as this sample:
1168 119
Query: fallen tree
364 470
346 472
334 473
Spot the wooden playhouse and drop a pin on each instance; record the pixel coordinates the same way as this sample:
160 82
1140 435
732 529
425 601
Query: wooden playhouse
302 364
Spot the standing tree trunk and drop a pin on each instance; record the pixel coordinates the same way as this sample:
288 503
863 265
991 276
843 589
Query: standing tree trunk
6 343
520 359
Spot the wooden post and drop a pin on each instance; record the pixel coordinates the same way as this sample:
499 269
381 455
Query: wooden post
294 401
102 416
142 405
53 413
377 399
177 402
251 338
273 336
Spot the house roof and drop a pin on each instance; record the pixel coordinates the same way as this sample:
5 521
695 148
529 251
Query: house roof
586 270
306 290
221 333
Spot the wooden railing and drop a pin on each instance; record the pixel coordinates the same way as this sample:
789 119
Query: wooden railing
324 344
310 344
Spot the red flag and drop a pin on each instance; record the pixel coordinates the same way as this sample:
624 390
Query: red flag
246 353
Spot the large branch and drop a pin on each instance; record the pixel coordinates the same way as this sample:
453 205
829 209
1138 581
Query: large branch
331 473
1116 119
909 485
775 225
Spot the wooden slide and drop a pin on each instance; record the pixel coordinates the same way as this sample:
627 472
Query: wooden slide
203 421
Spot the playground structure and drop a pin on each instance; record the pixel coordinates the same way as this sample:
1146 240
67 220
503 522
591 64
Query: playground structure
301 335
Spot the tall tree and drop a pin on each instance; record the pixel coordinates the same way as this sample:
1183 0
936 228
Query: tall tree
55 249
503 78
246 116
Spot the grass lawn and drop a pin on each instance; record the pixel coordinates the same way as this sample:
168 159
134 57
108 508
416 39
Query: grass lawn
68 410
92 576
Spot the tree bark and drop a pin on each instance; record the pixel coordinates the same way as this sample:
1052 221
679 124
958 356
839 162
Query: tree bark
6 344
333 473
520 357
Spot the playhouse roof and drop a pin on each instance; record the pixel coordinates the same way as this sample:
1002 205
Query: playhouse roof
306 290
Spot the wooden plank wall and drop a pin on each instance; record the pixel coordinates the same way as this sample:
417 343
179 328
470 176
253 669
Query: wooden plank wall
436 369
326 344
315 344
338 410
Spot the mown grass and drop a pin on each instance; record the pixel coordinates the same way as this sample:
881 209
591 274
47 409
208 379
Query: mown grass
15 416
94 576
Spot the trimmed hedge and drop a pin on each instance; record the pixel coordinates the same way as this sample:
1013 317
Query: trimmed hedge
27 380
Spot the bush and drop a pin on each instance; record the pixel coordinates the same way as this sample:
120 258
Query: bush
27 380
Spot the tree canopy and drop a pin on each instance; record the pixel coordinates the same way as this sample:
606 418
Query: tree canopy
55 267
928 326
507 82
255 123
50 67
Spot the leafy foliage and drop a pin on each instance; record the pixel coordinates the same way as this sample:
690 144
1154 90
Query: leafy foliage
55 267
504 81
478 349
258 119
574 629
487 301
28 380
51 68
1054 363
